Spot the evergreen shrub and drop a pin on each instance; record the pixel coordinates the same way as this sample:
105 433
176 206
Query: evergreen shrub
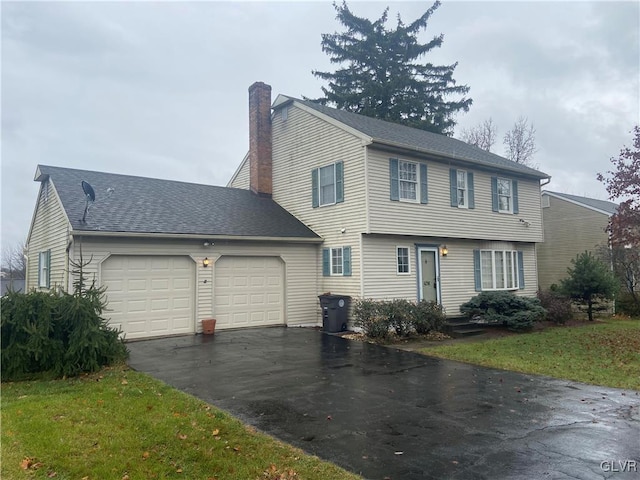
505 308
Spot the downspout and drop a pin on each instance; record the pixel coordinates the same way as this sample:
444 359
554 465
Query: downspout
366 216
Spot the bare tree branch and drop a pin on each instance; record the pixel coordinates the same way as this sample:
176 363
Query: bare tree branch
520 143
482 135
14 263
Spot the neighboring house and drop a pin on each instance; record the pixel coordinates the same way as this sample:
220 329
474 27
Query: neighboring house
572 225
325 200
404 213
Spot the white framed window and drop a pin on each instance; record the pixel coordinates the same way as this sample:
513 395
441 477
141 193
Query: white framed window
402 259
463 194
408 181
505 201
327 178
499 269
546 203
44 266
337 265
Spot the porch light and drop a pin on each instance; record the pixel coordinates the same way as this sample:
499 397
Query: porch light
205 262
444 251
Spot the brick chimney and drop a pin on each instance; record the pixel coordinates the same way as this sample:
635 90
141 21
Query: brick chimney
260 139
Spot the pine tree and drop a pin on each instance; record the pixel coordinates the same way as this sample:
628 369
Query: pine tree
382 77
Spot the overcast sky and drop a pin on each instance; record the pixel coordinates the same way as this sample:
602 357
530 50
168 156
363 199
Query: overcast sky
160 89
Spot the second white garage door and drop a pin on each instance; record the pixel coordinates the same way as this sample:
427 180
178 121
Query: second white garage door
249 291
149 296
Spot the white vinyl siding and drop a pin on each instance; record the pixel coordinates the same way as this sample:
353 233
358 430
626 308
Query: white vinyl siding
438 219
305 143
457 281
241 178
49 232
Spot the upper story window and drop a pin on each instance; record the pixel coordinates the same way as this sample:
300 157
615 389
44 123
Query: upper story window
408 177
327 185
498 270
284 113
402 256
336 261
504 193
408 181
461 188
44 269
546 202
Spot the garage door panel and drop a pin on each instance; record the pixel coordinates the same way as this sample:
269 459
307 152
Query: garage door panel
150 295
248 291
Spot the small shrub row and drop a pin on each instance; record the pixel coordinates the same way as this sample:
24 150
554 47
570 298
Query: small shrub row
378 318
505 308
60 333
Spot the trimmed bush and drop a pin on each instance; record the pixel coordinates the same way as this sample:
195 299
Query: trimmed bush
558 306
505 308
63 333
367 317
627 305
377 318
428 317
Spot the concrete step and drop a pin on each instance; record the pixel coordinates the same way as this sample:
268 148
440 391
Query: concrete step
466 332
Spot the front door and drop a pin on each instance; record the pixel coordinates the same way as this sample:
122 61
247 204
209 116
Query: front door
429 275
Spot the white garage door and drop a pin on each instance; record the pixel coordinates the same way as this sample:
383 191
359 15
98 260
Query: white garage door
149 296
249 291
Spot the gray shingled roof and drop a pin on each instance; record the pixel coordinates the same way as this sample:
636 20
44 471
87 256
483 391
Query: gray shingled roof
420 140
603 205
149 205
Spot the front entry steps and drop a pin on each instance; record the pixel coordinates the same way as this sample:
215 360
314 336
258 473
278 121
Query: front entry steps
462 327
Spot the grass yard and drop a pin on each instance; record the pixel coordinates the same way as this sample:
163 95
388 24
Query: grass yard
123 425
604 353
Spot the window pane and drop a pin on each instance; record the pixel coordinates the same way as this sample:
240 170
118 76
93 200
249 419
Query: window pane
486 264
462 179
336 261
504 203
327 185
462 199
408 175
504 187
499 260
403 260
510 270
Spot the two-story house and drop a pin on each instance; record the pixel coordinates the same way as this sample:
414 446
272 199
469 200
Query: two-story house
403 213
324 201
572 225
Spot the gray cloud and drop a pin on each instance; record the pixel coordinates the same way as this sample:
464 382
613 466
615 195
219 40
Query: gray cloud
160 89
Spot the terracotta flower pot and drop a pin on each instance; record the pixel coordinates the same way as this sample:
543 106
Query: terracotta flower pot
209 326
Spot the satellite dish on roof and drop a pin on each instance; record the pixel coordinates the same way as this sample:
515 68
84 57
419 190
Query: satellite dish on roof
88 191
91 197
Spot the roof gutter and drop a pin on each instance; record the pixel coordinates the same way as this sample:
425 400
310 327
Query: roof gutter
452 156
186 236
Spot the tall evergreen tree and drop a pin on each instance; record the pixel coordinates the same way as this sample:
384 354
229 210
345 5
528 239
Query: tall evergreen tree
382 77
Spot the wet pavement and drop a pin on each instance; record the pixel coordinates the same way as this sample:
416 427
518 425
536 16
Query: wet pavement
386 413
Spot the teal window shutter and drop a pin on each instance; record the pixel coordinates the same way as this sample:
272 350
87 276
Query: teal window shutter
346 261
453 186
520 269
477 274
48 268
514 192
494 194
424 193
395 182
39 269
339 182
326 268
315 197
470 190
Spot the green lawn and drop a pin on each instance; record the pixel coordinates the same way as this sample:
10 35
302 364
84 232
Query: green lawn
604 353
124 425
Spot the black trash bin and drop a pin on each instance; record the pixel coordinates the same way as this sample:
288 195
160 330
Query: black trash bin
335 312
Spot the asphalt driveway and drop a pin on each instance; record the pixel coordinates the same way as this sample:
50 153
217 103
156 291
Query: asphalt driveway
386 413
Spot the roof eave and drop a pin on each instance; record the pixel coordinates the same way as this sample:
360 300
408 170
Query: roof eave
443 156
188 236
575 202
